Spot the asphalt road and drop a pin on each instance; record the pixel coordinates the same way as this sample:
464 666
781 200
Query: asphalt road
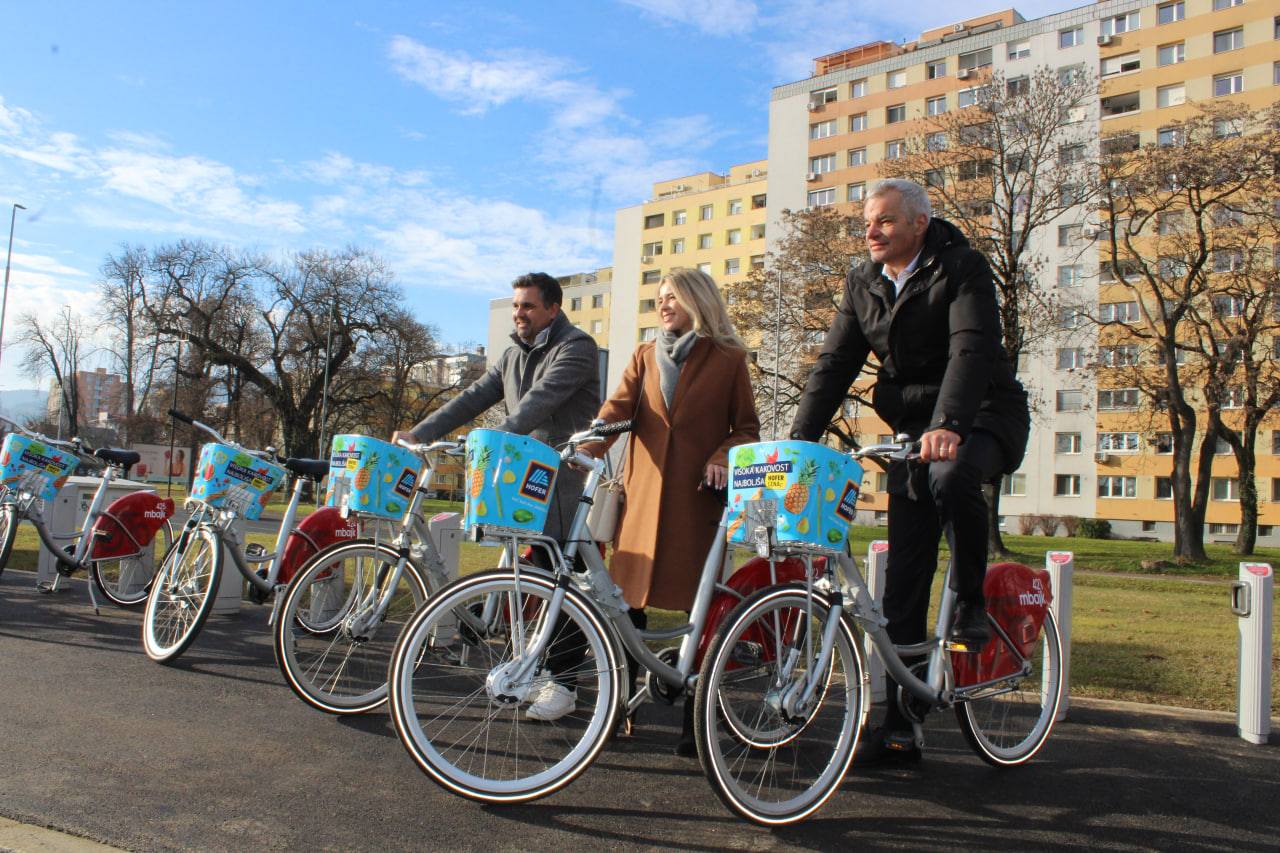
215 754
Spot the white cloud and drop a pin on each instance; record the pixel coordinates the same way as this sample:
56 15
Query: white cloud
478 83
713 17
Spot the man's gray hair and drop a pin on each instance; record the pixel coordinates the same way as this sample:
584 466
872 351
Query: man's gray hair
915 198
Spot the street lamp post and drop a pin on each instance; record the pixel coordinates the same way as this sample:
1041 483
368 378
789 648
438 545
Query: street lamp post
4 301
324 405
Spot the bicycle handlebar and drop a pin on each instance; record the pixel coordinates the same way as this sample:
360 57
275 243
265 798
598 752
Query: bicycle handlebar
269 453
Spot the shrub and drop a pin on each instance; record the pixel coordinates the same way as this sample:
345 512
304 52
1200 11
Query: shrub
1094 528
1071 525
1026 524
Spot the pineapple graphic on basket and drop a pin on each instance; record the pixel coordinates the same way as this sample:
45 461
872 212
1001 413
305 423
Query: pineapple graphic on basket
483 462
797 495
366 472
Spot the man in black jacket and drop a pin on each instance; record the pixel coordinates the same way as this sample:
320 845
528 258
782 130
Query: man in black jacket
925 306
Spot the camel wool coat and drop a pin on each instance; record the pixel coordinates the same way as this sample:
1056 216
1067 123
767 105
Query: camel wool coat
667 524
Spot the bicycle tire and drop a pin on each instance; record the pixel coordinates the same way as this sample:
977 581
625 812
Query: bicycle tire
1009 724
8 532
767 764
126 581
182 595
464 727
322 662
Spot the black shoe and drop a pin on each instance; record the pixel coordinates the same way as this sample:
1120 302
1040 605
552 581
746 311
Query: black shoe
970 628
887 746
686 747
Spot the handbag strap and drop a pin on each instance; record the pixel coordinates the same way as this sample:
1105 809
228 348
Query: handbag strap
622 457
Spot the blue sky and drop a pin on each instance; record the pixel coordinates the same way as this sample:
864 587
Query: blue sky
465 143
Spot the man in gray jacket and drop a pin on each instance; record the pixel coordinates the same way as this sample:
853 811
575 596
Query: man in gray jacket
549 379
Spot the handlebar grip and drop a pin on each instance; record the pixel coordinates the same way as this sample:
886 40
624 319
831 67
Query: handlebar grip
613 428
176 415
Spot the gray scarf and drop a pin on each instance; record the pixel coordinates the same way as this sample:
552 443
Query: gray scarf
671 351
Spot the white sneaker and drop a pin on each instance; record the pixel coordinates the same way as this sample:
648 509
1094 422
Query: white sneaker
552 702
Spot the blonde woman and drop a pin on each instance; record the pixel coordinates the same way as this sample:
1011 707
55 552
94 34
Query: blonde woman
689 393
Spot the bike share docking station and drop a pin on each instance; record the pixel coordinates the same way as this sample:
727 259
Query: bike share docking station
1061 568
67 511
1251 600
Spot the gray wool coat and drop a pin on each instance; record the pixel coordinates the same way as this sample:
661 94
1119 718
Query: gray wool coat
551 391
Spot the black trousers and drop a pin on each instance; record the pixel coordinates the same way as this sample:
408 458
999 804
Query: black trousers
940 499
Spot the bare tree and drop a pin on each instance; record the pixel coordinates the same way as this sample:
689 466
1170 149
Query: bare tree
57 349
1190 235
1003 168
785 306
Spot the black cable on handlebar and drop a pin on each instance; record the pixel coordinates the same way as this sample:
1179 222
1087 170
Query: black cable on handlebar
176 415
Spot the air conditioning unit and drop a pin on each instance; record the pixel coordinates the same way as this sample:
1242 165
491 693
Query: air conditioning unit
1091 235
812 105
811 176
962 74
646 259
1103 41
755 173
679 188
1101 458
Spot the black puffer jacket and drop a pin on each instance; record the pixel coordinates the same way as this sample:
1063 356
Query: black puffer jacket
942 364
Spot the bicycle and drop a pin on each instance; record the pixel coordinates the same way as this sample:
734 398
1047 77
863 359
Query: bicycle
470 662
343 611
766 740
116 544
232 482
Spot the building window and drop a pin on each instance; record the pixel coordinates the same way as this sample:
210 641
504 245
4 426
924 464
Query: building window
1118 312
1228 128
974 59
823 197
825 96
706 212
654 220
679 217
1227 260
857 157
1066 485
650 277
966 98
1066 443
1112 399
677 246
1125 355
936 141
651 249
822 129
735 205
1070 318
1224 489
895 114
757 231
1071 38
597 326
894 149
1171 96
934 70
1171 54
757 262
704 241
1228 84
1167 13
1070 358
1071 275
575 304
1018 86
1117 487
1014 485
1117 442
733 237
1170 136
1226 40
648 306
732 266
1226 4
704 268
1164 489
648 333
1164 444
1123 64
1119 24
935 106
758 202
1019 49
896 79
597 301
858 122
822 163
1070 400
858 89
857 192
1070 235
1222 529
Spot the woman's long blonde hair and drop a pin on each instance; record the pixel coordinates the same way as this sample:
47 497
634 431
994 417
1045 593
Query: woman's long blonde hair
697 292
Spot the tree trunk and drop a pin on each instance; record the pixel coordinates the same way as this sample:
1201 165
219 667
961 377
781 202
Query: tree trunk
1247 538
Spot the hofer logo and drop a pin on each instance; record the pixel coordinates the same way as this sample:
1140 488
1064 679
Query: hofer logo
538 480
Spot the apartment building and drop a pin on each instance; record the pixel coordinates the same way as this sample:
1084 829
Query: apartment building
829 133
101 397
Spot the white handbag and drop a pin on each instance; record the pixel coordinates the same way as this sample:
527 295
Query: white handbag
602 520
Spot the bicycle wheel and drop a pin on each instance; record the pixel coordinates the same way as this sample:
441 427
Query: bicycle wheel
1008 723
182 595
459 703
327 655
8 532
126 581
770 759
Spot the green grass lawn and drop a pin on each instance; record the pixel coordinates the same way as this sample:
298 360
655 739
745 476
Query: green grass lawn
1169 639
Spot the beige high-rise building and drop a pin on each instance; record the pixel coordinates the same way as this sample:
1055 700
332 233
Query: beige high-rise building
828 133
